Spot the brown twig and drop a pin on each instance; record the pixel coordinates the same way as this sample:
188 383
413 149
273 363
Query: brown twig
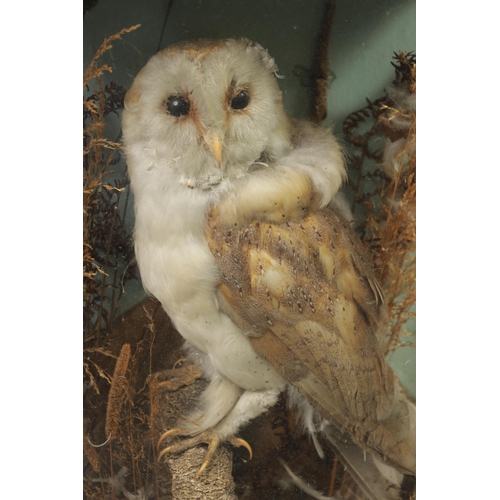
333 478
320 71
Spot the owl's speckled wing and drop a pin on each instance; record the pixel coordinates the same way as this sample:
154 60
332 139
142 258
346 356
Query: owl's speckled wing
304 291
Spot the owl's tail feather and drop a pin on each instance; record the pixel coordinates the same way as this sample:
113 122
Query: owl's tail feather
375 479
306 488
373 483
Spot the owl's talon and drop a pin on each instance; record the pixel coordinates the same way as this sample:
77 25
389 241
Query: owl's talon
208 437
205 437
182 445
171 432
212 447
241 442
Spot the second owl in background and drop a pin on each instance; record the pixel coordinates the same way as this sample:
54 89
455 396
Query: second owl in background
241 234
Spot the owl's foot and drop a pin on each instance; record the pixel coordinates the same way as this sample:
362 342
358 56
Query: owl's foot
209 437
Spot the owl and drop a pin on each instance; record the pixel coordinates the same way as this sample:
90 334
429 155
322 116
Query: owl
242 235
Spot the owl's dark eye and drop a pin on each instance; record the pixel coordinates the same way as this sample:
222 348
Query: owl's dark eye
241 100
177 106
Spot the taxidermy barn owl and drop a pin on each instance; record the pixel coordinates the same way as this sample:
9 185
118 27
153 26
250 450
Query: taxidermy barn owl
239 233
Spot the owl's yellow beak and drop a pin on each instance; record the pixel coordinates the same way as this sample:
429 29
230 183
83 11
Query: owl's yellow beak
214 142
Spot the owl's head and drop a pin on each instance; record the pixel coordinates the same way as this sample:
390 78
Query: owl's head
205 110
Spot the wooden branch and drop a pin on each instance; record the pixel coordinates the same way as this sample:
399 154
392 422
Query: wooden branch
321 70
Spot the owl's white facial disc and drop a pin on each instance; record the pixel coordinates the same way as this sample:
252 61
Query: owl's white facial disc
206 109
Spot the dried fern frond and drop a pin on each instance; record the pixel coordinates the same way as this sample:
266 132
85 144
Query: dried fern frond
383 181
106 243
94 70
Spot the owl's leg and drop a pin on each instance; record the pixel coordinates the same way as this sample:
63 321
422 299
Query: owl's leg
250 405
216 402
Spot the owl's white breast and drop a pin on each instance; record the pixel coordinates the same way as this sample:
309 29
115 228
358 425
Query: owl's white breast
178 268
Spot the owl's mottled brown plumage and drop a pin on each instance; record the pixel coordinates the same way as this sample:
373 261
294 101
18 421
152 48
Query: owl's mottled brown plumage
306 292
